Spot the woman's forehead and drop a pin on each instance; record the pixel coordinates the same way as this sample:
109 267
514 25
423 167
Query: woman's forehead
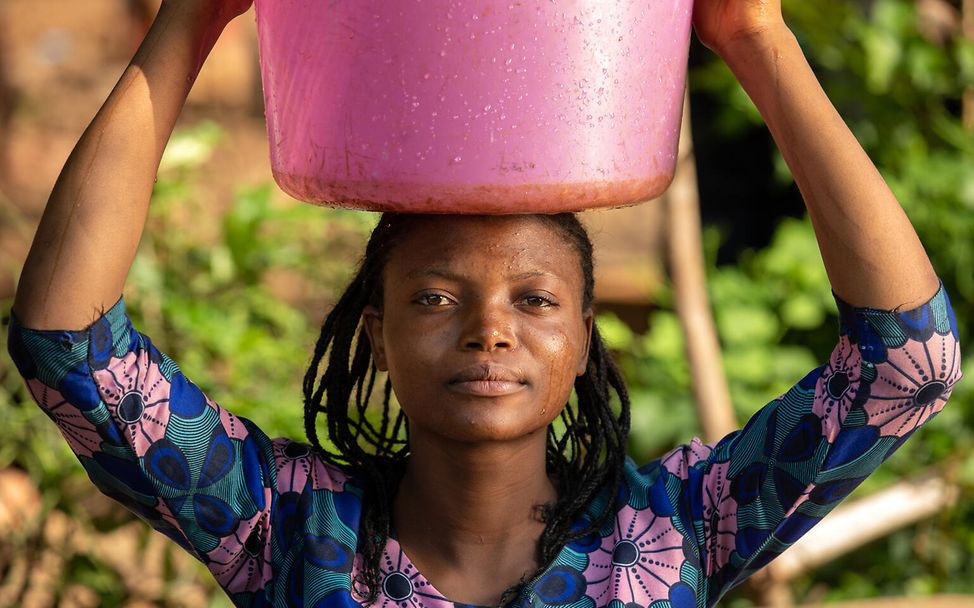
514 245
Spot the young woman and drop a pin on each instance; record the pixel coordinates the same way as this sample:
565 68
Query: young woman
484 325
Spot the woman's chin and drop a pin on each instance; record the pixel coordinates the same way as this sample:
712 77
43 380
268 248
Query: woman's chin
488 424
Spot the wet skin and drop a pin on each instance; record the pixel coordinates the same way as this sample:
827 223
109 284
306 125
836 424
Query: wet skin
482 328
483 332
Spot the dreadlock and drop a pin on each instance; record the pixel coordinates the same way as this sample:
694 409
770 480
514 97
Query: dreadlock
584 461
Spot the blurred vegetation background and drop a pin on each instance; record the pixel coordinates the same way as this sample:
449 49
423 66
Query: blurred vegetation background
236 292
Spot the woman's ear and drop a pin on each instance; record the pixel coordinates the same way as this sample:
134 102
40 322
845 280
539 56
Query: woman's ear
589 319
372 317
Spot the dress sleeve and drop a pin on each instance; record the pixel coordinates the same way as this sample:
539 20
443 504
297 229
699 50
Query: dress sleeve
758 490
150 439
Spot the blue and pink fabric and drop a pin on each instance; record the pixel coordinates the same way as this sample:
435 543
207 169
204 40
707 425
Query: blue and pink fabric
278 527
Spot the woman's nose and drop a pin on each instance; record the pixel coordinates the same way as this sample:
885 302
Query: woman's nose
488 327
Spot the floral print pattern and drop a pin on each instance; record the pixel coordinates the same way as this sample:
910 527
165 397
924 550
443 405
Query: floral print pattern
278 527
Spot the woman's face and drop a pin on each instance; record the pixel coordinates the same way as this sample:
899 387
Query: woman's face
482 327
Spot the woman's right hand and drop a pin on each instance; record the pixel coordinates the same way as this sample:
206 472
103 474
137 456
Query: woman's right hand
211 15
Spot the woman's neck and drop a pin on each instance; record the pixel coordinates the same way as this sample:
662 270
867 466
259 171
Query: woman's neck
467 516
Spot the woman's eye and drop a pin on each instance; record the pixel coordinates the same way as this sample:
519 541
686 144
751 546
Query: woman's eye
434 299
538 301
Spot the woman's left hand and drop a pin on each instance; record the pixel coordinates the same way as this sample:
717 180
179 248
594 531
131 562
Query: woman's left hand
719 23
873 256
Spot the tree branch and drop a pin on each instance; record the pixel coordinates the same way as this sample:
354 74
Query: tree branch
856 523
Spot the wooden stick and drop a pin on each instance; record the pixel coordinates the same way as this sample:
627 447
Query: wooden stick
854 524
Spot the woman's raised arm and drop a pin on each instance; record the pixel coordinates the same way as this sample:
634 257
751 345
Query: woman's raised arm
871 252
92 224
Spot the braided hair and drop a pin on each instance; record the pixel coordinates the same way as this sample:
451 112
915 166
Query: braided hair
584 460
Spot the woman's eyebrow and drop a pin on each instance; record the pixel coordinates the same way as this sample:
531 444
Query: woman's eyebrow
451 275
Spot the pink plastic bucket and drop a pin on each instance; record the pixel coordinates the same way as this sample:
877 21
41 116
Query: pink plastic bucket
461 106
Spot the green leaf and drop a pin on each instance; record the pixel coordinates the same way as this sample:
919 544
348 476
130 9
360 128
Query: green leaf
883 54
615 333
190 148
803 311
747 325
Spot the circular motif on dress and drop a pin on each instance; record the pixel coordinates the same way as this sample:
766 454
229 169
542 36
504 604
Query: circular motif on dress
625 554
930 392
253 544
295 450
130 408
560 586
397 587
837 384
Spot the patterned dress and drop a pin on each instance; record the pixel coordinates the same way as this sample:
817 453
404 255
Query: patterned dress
278 527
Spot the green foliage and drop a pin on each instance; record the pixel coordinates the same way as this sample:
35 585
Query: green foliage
767 310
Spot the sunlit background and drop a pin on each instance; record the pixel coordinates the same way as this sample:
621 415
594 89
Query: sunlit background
233 278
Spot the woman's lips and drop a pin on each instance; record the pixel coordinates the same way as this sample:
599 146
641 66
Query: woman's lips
485 380
487 388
